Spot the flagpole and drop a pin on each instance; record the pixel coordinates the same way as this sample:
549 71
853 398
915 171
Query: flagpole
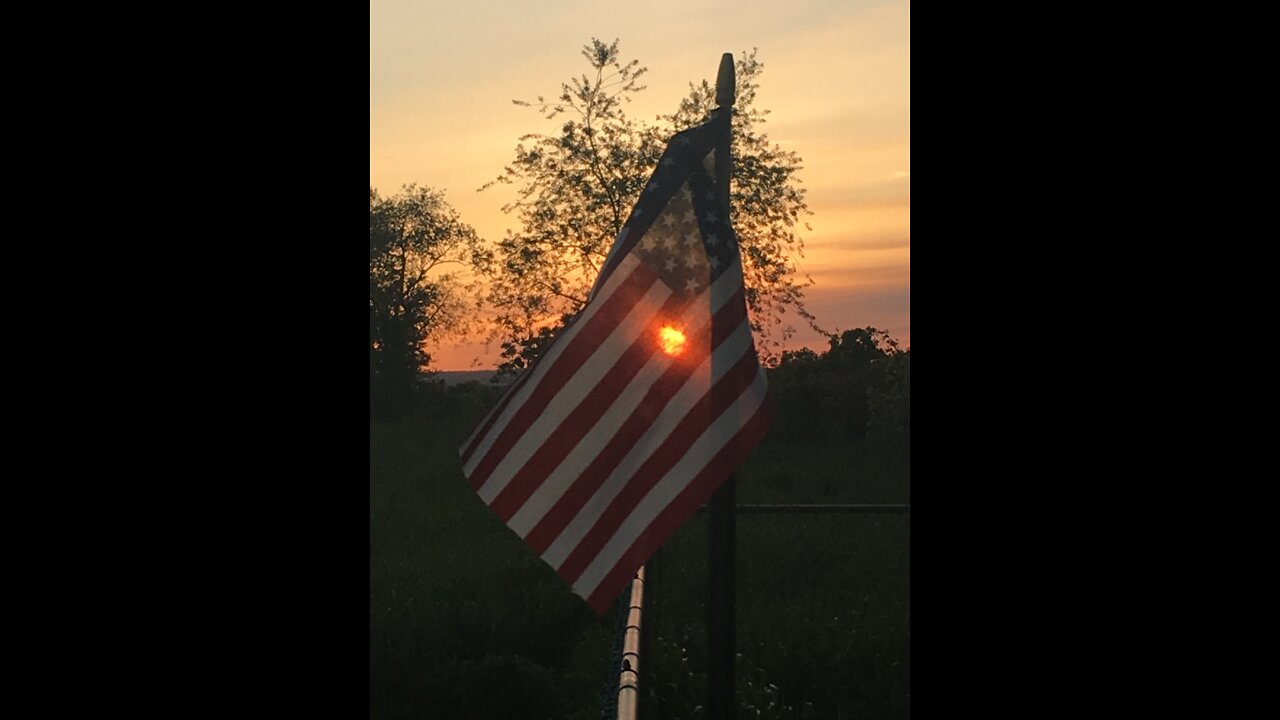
720 605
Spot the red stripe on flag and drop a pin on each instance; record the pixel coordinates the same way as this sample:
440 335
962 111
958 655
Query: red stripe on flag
477 437
581 420
629 432
697 493
580 349
700 417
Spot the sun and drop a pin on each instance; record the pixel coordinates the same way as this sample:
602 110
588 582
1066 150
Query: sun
672 340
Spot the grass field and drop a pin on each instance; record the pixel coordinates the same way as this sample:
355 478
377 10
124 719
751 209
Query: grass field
466 622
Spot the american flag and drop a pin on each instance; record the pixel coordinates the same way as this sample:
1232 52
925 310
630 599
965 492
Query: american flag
645 402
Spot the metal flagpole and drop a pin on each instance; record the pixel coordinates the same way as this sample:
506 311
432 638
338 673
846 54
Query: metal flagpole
720 616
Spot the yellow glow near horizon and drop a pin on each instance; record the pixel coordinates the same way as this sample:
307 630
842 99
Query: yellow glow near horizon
671 340
836 84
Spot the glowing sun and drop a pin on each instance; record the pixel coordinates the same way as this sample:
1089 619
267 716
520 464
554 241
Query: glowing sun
672 340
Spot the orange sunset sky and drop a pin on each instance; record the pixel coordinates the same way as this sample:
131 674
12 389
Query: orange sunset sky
837 83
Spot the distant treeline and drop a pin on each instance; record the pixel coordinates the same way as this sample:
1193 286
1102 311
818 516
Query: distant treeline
859 386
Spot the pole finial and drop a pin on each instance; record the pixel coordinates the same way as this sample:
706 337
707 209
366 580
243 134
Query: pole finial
725 81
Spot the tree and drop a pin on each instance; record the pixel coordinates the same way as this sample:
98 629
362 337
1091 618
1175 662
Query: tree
576 187
416 244
861 384
766 203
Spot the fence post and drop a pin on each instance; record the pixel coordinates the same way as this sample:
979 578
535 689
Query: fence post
720 615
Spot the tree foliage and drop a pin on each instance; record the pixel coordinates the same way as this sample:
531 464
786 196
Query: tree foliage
417 244
766 204
861 385
575 188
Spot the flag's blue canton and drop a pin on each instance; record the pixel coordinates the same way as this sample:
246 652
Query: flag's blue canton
679 226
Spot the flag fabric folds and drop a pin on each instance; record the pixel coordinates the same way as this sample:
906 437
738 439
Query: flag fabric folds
646 402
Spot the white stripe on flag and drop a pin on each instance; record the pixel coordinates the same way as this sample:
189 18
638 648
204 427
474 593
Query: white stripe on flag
559 480
697 385
584 379
672 484
625 268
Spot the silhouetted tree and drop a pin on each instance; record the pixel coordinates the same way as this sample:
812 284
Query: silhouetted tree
577 186
889 400
859 385
417 244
